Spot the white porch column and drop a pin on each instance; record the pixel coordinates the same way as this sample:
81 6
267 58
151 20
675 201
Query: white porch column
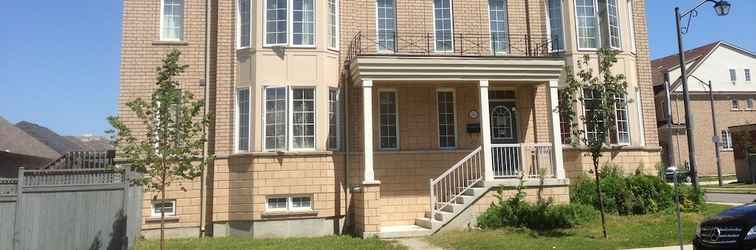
556 134
367 131
485 131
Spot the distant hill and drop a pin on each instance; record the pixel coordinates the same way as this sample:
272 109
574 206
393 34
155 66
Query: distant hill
59 143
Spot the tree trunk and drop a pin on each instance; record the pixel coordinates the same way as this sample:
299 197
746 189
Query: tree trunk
162 212
599 194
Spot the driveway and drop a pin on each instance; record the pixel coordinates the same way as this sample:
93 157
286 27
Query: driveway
729 197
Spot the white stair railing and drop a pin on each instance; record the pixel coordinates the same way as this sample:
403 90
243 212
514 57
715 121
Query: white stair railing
530 160
450 185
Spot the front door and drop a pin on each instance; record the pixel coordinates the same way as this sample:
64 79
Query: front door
506 152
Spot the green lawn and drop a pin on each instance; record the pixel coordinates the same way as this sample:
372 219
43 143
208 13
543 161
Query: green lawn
624 232
332 242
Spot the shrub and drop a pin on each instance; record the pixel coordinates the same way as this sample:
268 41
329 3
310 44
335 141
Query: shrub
543 215
639 194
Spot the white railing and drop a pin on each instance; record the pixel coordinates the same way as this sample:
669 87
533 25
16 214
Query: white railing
530 160
450 185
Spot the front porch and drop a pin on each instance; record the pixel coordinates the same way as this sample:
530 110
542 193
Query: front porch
431 138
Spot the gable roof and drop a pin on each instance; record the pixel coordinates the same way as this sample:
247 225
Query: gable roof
15 140
60 144
661 66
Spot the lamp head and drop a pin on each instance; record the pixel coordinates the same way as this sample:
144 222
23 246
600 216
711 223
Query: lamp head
722 7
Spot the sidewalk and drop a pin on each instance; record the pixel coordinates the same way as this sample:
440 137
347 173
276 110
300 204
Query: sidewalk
686 247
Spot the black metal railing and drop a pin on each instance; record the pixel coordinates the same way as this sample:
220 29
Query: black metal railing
452 44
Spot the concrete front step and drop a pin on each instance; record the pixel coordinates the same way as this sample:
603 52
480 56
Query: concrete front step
403 231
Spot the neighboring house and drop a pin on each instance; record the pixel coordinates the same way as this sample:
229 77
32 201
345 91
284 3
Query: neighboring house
59 143
744 152
336 114
19 149
730 70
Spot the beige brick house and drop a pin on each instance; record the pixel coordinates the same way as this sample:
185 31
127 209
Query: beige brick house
728 67
374 116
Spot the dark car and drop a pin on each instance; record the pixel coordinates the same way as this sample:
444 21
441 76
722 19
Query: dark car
734 228
683 175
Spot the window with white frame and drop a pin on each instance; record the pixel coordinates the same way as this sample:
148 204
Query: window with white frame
631 23
276 22
442 14
168 207
733 75
610 23
333 24
591 99
622 135
334 116
243 23
499 28
726 140
303 118
565 126
386 25
734 103
242 120
289 203
446 119
275 119
172 20
556 28
747 73
389 119
303 22
587 24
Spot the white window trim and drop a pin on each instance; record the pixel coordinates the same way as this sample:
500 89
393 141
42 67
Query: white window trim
338 26
396 109
264 117
289 203
265 25
451 28
598 28
290 117
269 209
378 33
730 75
548 26
725 146
490 41
337 114
237 120
750 74
631 24
238 25
627 124
454 118
157 215
609 25
290 15
162 19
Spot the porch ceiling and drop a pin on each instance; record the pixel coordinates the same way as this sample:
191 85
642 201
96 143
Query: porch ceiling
427 68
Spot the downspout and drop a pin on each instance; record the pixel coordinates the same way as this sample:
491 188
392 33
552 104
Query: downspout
347 188
206 146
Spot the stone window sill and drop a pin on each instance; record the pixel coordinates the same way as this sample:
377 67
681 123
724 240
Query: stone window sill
284 214
157 219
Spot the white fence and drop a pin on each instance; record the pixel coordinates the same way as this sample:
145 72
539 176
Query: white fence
531 160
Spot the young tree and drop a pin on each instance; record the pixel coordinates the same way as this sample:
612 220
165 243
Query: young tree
605 90
171 144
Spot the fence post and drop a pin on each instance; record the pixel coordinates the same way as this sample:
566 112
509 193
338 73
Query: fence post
125 207
17 244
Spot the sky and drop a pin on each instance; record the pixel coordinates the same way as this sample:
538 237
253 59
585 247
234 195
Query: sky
59 59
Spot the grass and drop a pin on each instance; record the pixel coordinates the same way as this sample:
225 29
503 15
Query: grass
331 242
624 232
738 188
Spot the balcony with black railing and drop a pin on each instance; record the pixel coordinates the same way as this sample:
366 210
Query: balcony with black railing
452 44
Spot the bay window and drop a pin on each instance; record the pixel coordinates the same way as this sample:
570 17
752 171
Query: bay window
242 120
289 119
334 116
442 15
587 24
556 28
303 23
303 118
275 119
243 24
610 23
333 24
621 133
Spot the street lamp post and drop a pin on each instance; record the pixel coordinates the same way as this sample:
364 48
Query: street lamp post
722 8
716 139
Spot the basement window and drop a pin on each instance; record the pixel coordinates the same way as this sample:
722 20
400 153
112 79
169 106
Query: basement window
166 206
289 203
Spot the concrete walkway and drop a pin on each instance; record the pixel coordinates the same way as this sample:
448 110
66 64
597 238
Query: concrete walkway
686 247
729 197
417 244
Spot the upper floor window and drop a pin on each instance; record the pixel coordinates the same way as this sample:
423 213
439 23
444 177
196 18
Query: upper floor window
303 23
243 27
610 23
733 75
172 20
386 25
587 24
499 28
333 24
556 28
631 23
747 73
389 120
276 22
442 15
